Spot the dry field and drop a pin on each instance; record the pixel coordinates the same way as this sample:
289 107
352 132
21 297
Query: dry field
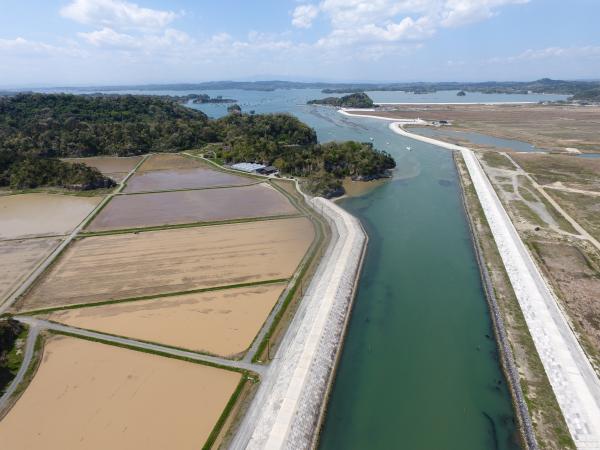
18 258
168 180
568 171
577 281
570 264
109 164
545 126
170 161
169 208
88 395
128 265
218 322
27 215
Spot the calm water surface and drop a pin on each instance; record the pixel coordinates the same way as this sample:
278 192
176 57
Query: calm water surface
419 368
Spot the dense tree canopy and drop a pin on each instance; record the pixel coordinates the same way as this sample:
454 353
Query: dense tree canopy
356 100
36 129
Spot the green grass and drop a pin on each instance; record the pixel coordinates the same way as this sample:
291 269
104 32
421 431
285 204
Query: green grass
300 279
497 160
14 358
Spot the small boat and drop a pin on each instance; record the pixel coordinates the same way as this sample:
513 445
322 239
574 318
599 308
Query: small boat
409 149
372 139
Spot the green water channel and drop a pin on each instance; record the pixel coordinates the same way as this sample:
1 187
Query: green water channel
420 367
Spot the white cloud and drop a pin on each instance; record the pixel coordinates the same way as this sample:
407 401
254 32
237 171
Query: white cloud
304 15
118 14
374 22
23 47
462 12
584 52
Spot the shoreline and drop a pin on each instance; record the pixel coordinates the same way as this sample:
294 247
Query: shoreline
507 360
575 385
290 402
570 373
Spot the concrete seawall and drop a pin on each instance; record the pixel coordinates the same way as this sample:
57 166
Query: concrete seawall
573 380
288 406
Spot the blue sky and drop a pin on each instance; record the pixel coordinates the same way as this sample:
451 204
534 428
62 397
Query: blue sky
82 42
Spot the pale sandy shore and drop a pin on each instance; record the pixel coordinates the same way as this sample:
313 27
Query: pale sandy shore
92 396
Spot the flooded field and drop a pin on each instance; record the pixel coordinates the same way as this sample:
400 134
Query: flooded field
19 258
166 180
95 396
220 322
109 164
170 161
128 265
145 210
27 215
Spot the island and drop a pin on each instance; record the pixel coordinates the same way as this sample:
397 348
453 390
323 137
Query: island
355 100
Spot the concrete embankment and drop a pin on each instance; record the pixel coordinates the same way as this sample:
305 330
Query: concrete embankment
573 380
287 408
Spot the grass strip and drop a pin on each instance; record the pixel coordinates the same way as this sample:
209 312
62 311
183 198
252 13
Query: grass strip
187 225
214 434
153 296
306 265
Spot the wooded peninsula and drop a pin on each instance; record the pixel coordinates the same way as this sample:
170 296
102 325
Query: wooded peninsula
38 129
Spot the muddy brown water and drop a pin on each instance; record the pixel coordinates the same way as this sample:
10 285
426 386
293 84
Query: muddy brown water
27 215
145 210
163 180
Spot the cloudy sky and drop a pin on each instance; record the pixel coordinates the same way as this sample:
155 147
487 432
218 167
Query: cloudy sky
82 42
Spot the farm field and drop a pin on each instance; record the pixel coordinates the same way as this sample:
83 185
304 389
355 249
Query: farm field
145 210
96 396
220 322
173 179
26 215
18 258
100 268
170 161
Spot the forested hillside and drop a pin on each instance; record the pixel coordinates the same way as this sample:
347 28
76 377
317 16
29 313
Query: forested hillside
36 129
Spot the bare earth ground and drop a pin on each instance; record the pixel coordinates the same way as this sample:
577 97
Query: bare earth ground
108 164
18 258
571 264
158 262
577 280
550 427
144 210
165 180
545 126
26 215
584 208
88 395
219 322
170 161
358 188
577 173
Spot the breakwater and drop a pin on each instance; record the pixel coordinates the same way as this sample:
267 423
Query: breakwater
288 406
